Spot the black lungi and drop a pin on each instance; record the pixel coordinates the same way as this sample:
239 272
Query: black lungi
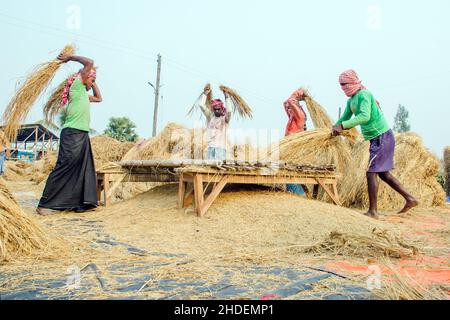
72 185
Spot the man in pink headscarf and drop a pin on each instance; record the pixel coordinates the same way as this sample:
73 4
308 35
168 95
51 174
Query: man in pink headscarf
72 185
296 123
375 128
217 122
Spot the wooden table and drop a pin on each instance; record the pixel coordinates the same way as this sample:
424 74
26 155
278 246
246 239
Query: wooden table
219 179
218 174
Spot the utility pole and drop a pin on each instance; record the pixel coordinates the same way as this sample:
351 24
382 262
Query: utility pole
157 87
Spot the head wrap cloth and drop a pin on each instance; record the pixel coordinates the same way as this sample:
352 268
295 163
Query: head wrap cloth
69 83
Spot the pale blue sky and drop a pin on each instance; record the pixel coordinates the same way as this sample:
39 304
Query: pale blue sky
264 49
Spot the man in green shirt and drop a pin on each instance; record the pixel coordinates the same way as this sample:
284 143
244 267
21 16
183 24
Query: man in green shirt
375 129
72 185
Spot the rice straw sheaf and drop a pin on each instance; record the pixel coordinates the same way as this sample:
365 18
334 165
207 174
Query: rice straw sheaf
19 234
36 82
321 119
315 147
239 103
53 105
209 98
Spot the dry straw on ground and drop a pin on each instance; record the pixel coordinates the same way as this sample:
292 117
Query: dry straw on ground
19 234
36 82
380 243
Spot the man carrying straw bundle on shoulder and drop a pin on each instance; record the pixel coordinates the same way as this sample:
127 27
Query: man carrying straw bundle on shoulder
72 184
218 118
375 129
296 123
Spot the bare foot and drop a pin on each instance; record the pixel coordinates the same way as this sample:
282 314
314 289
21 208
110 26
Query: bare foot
46 212
410 204
372 214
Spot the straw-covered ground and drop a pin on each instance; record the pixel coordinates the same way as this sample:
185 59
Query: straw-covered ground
253 243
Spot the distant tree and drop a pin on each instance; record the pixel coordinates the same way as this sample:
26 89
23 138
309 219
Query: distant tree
401 121
121 129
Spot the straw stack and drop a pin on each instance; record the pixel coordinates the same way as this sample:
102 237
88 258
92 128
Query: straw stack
415 167
35 83
19 234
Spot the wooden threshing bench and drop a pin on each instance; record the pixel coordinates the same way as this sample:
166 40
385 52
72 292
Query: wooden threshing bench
218 174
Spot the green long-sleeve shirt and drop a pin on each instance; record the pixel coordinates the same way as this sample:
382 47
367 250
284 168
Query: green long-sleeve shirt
367 114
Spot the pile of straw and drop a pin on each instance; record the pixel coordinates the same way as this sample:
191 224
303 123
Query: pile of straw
415 167
19 235
36 82
107 149
239 104
447 169
379 244
174 142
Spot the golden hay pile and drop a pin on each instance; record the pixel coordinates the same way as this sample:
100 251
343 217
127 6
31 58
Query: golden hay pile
447 169
107 149
175 141
415 167
19 234
379 243
36 82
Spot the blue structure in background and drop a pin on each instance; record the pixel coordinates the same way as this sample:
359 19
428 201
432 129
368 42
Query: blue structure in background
25 156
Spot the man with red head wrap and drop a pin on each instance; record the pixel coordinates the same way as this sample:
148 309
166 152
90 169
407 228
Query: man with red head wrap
296 123
375 128
217 121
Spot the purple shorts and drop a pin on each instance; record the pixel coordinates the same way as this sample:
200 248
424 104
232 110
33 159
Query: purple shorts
382 153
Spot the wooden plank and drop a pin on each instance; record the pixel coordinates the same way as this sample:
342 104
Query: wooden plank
106 190
213 195
150 178
328 191
181 192
265 179
198 193
336 193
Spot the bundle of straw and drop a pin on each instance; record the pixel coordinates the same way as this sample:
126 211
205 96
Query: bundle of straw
53 105
18 233
35 83
4 142
315 147
321 119
239 104
447 169
209 98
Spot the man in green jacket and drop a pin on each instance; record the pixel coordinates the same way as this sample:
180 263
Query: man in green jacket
375 129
